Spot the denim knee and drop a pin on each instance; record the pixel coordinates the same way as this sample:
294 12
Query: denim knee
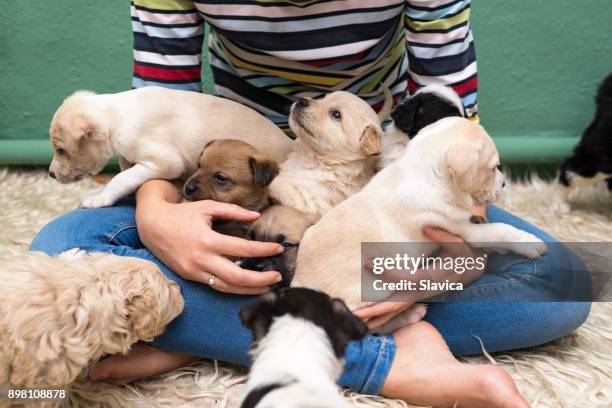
60 234
558 319
562 276
90 229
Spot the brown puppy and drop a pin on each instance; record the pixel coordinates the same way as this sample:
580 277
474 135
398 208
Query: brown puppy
286 226
231 171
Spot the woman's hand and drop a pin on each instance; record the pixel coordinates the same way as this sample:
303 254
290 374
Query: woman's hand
181 236
380 313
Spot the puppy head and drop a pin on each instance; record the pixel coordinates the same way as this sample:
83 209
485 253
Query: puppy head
285 226
80 138
341 126
472 162
234 172
145 300
332 315
428 105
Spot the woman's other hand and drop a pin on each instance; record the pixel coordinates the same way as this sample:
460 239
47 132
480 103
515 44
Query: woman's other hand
451 246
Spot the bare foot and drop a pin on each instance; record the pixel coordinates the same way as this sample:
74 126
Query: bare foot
425 372
142 361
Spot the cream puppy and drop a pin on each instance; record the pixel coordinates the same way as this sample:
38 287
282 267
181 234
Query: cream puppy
156 132
443 173
333 157
57 314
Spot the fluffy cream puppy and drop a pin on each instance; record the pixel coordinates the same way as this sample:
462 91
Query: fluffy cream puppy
57 314
448 169
338 137
156 132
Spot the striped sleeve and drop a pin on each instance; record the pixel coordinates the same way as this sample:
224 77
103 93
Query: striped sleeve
441 47
168 36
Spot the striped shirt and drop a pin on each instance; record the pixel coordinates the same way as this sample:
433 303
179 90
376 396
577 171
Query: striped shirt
267 53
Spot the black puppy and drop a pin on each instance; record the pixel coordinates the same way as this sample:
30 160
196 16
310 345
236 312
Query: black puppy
428 105
592 157
299 339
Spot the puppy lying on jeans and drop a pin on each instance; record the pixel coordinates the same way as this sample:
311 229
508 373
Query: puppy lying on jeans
234 172
451 167
300 336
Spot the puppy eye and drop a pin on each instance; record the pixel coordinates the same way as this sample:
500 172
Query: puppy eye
336 115
500 167
219 178
60 151
288 245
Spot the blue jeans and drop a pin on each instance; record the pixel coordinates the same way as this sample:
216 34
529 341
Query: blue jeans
209 325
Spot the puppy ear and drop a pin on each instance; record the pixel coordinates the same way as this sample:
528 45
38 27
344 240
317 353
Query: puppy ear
348 326
405 116
257 315
371 140
141 313
90 128
264 170
461 162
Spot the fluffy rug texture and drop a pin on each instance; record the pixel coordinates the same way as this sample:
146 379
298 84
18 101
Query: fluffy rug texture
575 371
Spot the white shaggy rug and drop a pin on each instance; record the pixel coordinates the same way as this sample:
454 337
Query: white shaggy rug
575 371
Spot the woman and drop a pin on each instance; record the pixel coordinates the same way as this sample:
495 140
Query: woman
264 54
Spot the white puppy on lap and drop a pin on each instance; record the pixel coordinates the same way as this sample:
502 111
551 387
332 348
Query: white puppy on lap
451 167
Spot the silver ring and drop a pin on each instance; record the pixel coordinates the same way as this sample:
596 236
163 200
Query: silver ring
211 280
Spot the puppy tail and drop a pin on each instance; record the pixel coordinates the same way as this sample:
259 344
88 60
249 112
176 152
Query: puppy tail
385 111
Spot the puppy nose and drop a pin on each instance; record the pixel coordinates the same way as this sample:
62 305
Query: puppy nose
503 184
51 174
191 188
303 102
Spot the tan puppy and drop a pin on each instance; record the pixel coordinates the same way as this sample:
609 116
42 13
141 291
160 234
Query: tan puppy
337 138
443 173
283 225
232 172
159 132
57 314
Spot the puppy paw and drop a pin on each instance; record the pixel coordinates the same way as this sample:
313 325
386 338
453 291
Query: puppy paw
415 313
528 245
97 201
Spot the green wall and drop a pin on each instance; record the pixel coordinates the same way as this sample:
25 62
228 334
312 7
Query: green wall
540 62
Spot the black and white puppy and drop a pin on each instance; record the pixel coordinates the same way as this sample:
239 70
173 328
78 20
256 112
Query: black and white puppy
428 105
591 160
299 339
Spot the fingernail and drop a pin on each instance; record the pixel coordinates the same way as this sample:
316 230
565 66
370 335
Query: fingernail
278 278
253 212
279 249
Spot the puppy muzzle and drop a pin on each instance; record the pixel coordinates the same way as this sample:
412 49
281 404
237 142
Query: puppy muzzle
190 189
298 113
272 263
